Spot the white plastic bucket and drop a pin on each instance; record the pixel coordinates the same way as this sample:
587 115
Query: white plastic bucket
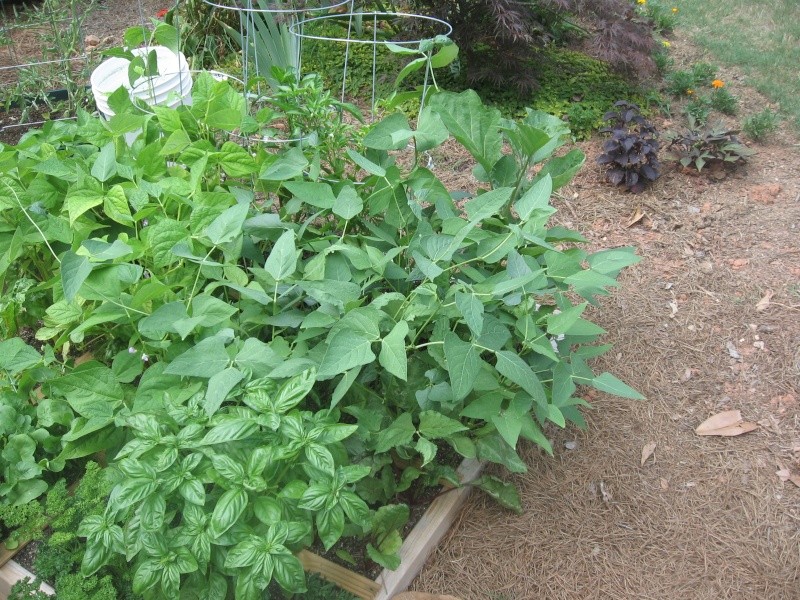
174 80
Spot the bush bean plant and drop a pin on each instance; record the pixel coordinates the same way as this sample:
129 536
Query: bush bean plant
268 353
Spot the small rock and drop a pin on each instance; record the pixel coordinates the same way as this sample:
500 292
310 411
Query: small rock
91 40
570 445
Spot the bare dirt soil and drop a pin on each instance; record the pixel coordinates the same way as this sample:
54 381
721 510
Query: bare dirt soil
708 321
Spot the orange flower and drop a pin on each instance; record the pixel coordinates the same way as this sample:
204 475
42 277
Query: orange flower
717 83
162 13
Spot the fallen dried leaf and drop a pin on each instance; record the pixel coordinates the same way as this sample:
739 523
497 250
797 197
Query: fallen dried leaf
637 216
674 308
647 451
664 484
763 304
605 492
727 423
739 263
795 479
732 350
783 474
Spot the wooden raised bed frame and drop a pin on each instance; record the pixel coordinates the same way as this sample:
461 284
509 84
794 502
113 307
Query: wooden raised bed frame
416 548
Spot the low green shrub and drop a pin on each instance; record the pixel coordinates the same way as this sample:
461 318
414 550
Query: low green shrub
680 83
725 102
699 108
761 125
699 146
703 73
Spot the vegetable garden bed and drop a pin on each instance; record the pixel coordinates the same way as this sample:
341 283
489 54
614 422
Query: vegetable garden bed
416 548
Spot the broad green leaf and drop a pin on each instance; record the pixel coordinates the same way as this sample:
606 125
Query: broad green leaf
393 351
562 168
227 511
313 193
474 125
488 204
282 259
16 356
344 385
366 164
289 574
493 448
320 458
435 425
115 205
399 433
167 35
91 390
330 526
430 132
228 226
463 363
611 262
80 200
560 323
127 366
391 133
348 203
505 493
211 310
606 382
219 386
161 237
346 350
294 391
206 359
536 198
105 165
511 366
388 560
287 166
472 310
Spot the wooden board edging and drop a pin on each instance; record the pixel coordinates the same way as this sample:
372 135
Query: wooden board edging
11 573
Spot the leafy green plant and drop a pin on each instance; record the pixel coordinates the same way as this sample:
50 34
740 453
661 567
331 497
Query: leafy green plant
760 125
632 150
267 43
680 83
663 17
314 118
703 73
279 352
699 108
31 433
696 147
725 102
663 61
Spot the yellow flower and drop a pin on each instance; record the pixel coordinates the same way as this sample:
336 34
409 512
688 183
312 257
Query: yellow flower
641 1
675 9
689 92
666 44
717 83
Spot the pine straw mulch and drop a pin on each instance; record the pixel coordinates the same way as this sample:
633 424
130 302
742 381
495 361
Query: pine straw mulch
705 517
